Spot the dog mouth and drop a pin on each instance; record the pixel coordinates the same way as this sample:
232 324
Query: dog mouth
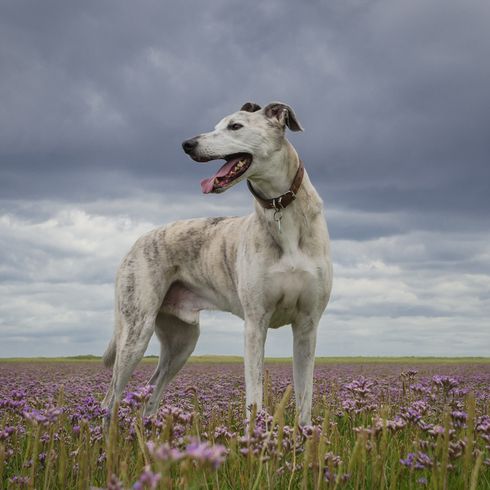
236 165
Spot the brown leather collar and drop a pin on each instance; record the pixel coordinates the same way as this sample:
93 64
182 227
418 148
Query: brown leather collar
284 200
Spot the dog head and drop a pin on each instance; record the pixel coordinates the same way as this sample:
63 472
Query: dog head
246 139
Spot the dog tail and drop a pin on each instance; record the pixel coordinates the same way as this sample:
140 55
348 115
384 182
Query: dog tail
110 354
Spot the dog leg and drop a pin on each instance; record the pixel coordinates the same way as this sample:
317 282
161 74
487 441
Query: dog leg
130 351
109 395
304 343
177 342
255 335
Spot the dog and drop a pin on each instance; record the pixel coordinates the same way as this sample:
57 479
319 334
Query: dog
270 268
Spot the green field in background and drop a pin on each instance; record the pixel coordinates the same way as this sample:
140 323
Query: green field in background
239 359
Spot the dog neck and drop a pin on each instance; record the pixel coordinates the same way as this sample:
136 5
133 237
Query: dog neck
278 173
276 179
284 200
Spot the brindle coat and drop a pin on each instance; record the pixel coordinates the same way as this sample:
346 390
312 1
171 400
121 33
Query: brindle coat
243 265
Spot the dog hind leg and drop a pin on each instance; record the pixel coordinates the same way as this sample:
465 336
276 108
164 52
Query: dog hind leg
177 342
130 350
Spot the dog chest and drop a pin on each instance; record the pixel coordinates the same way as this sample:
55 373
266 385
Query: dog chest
292 285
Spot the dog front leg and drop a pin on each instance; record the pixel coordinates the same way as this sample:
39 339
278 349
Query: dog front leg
304 344
255 335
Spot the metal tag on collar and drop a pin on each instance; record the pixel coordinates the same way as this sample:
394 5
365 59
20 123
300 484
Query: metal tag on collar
278 218
277 204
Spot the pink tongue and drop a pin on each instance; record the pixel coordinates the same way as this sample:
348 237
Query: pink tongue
207 185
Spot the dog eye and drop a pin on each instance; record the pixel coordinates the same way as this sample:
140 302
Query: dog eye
235 126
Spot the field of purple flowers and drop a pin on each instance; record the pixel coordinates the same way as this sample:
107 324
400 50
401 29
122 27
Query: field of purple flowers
375 426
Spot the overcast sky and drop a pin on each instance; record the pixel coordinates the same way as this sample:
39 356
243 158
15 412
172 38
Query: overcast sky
97 96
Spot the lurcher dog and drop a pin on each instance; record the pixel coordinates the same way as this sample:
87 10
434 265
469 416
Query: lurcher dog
270 268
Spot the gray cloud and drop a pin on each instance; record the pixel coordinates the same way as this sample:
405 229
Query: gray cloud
58 265
393 95
95 100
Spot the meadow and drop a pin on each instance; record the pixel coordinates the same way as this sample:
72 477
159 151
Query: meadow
396 423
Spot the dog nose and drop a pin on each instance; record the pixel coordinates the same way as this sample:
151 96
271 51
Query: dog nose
189 145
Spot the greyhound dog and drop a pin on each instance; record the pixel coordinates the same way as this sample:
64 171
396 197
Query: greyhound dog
270 268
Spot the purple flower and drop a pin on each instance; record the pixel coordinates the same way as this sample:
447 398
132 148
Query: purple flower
204 452
114 483
332 477
136 398
360 386
418 460
223 432
19 481
6 432
363 398
459 418
333 459
147 479
164 452
46 417
394 425
446 382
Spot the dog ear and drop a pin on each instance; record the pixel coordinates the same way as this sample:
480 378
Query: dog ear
250 107
284 114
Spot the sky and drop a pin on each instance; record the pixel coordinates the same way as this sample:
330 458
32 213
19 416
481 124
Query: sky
97 96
